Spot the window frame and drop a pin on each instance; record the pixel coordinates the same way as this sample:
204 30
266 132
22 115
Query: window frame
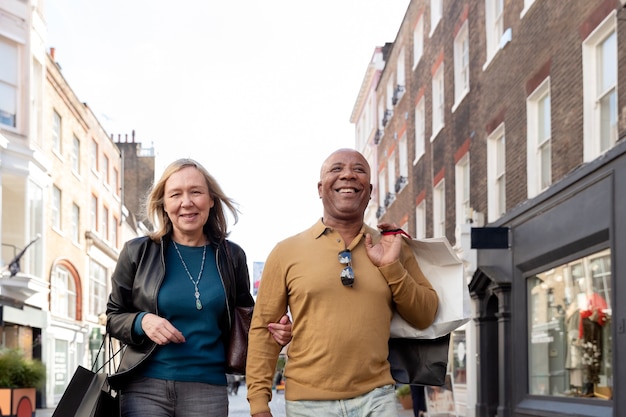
535 143
10 81
496 173
592 113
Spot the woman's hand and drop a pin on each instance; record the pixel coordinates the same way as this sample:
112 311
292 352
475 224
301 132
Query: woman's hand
281 331
160 330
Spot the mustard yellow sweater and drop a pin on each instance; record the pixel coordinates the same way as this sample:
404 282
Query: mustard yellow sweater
339 346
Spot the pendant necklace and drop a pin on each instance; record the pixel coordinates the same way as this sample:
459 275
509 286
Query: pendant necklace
197 281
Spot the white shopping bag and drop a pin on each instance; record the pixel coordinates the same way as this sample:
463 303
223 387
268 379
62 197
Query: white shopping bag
444 270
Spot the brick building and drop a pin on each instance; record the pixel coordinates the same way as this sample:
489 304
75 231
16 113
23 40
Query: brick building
508 114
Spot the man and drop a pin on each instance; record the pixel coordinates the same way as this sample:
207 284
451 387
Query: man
341 282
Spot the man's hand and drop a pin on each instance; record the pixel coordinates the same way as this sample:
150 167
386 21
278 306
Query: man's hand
281 331
160 330
387 250
262 415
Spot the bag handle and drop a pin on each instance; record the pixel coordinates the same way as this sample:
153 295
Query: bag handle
110 362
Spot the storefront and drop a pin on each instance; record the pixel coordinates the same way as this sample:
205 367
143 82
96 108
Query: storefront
548 328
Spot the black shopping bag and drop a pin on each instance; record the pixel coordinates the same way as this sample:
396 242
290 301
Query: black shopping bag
88 395
419 361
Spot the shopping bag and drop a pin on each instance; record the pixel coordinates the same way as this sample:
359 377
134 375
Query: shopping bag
444 270
419 361
88 395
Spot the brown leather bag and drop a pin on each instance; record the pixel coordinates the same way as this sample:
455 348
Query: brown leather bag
238 346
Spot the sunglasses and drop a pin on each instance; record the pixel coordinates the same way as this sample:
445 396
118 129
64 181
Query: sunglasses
347 274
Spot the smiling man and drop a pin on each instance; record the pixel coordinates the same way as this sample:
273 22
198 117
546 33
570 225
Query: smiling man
341 280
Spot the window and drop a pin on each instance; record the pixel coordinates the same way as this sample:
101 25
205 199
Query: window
569 313
420 220
461 64
391 179
600 89
93 156
56 207
76 155
93 213
462 190
97 288
8 82
105 169
403 156
438 101
418 40
63 299
539 153
401 81
436 11
439 209
420 129
115 179
496 174
493 26
75 223
115 224
382 189
104 230
56 132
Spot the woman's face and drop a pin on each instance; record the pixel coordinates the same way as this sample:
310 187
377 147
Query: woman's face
187 202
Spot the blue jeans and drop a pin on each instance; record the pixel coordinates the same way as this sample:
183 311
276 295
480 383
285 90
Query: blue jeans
150 397
380 402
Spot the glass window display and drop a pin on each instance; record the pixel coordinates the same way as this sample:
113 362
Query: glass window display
569 310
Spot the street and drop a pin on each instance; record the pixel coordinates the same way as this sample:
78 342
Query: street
239 406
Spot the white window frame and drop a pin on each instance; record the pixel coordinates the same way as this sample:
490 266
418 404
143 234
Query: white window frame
462 189
496 173
63 299
418 41
494 26
93 213
538 143
75 155
75 223
436 12
104 229
461 65
57 196
597 138
93 156
400 71
97 288
420 129
439 209
391 173
56 133
403 155
9 83
420 220
382 187
438 102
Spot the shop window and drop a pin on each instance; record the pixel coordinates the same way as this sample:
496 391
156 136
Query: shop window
459 359
570 345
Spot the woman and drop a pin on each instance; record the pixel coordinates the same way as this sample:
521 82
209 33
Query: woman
173 298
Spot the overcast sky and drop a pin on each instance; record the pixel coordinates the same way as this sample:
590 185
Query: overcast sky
259 92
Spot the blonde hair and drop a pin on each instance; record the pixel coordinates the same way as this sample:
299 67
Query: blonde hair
216 226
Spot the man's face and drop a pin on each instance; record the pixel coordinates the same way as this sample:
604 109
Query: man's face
344 185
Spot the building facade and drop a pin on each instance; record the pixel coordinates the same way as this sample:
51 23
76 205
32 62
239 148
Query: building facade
62 205
499 124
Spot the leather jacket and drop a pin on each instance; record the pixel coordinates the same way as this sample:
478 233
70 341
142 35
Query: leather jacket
136 281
